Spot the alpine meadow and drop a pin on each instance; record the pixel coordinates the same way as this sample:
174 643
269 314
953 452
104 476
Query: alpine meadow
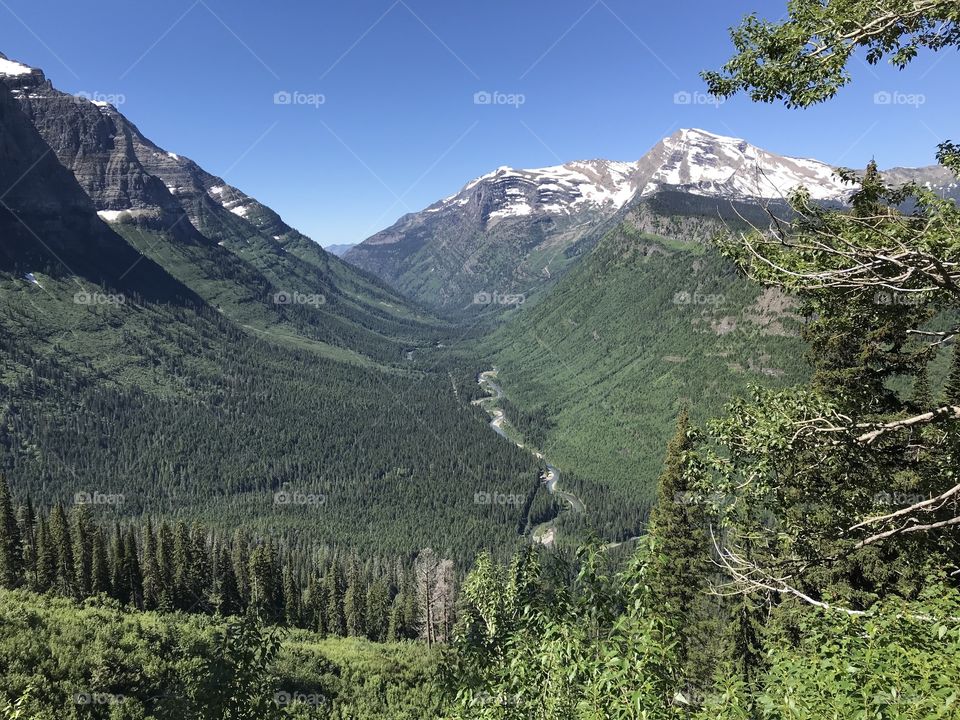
669 437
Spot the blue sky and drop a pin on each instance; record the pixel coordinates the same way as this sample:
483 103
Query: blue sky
398 127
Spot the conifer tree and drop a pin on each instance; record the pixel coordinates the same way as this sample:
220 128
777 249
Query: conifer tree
28 533
99 565
952 388
226 585
263 583
377 610
199 575
354 599
62 551
291 600
165 566
118 578
152 590
241 565
315 607
46 568
680 560
183 592
395 624
11 546
82 534
334 604
922 397
133 577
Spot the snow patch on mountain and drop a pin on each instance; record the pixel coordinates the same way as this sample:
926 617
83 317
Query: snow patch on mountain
11 68
703 163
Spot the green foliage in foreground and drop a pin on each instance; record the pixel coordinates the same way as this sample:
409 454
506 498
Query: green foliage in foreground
63 661
598 648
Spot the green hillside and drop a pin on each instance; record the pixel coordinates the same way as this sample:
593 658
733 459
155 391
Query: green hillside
653 320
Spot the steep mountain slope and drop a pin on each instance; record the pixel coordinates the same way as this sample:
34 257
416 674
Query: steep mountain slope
118 381
650 321
232 250
503 232
512 230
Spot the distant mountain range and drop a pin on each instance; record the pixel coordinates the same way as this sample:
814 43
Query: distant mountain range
510 230
340 250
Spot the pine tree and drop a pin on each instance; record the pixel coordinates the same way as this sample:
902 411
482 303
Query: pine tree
241 565
62 550
118 571
27 521
395 625
133 577
263 583
291 600
183 595
11 545
333 589
354 599
200 575
46 573
316 607
378 610
922 397
99 565
165 566
952 388
680 560
152 590
226 585
82 539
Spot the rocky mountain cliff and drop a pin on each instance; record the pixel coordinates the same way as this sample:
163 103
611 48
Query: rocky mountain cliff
235 252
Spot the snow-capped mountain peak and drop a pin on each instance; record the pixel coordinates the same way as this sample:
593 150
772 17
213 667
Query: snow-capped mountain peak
555 190
704 163
691 160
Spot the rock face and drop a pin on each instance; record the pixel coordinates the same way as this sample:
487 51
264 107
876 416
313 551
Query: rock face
49 224
511 230
121 170
233 251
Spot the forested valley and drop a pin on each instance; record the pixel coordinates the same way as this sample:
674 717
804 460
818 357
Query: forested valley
201 519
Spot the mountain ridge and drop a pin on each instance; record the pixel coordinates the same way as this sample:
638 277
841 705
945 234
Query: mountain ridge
549 214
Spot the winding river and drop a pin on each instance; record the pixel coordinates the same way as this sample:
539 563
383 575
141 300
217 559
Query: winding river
544 533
